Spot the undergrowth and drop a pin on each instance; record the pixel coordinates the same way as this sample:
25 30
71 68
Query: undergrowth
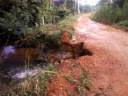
35 85
112 14
82 83
68 21
49 34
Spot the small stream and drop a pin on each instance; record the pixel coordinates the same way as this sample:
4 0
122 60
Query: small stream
17 64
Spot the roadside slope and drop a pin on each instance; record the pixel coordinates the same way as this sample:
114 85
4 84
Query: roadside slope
107 68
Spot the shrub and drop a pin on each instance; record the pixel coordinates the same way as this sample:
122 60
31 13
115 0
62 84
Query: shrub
35 85
108 14
112 13
52 39
123 23
15 21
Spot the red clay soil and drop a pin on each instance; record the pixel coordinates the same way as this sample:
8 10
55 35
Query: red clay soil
106 69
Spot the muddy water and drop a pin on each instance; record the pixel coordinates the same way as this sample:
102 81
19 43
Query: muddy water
16 64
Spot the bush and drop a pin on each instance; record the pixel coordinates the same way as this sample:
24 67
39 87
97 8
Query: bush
123 23
52 39
15 21
35 85
108 14
112 13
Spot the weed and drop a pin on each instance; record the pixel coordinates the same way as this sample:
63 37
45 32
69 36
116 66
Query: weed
123 23
105 91
71 79
83 84
35 85
112 14
68 21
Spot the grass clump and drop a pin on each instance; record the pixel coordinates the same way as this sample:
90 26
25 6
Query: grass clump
70 78
83 84
35 85
68 21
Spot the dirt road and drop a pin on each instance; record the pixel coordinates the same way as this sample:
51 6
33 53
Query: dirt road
107 68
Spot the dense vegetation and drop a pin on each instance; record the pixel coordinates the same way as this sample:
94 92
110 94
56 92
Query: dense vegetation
27 21
22 17
112 12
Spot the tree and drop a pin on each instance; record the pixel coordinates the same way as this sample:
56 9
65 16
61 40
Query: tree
78 7
18 15
14 19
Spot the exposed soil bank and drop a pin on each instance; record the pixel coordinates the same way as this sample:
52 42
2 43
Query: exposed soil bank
106 69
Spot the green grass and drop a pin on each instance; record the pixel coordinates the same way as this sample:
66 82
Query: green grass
82 83
68 21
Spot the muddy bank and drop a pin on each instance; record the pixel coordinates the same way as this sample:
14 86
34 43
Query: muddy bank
19 63
68 49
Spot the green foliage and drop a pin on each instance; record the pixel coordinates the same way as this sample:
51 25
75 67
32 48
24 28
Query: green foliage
115 12
22 14
52 39
125 11
32 38
83 84
107 14
123 23
19 15
49 34
30 18
15 21
67 21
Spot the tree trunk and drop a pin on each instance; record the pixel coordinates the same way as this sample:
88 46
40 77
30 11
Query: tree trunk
42 23
75 4
65 4
78 7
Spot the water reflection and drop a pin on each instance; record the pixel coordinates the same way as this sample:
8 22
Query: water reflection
16 65
8 51
21 73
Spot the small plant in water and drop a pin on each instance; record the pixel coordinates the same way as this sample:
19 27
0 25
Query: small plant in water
35 85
